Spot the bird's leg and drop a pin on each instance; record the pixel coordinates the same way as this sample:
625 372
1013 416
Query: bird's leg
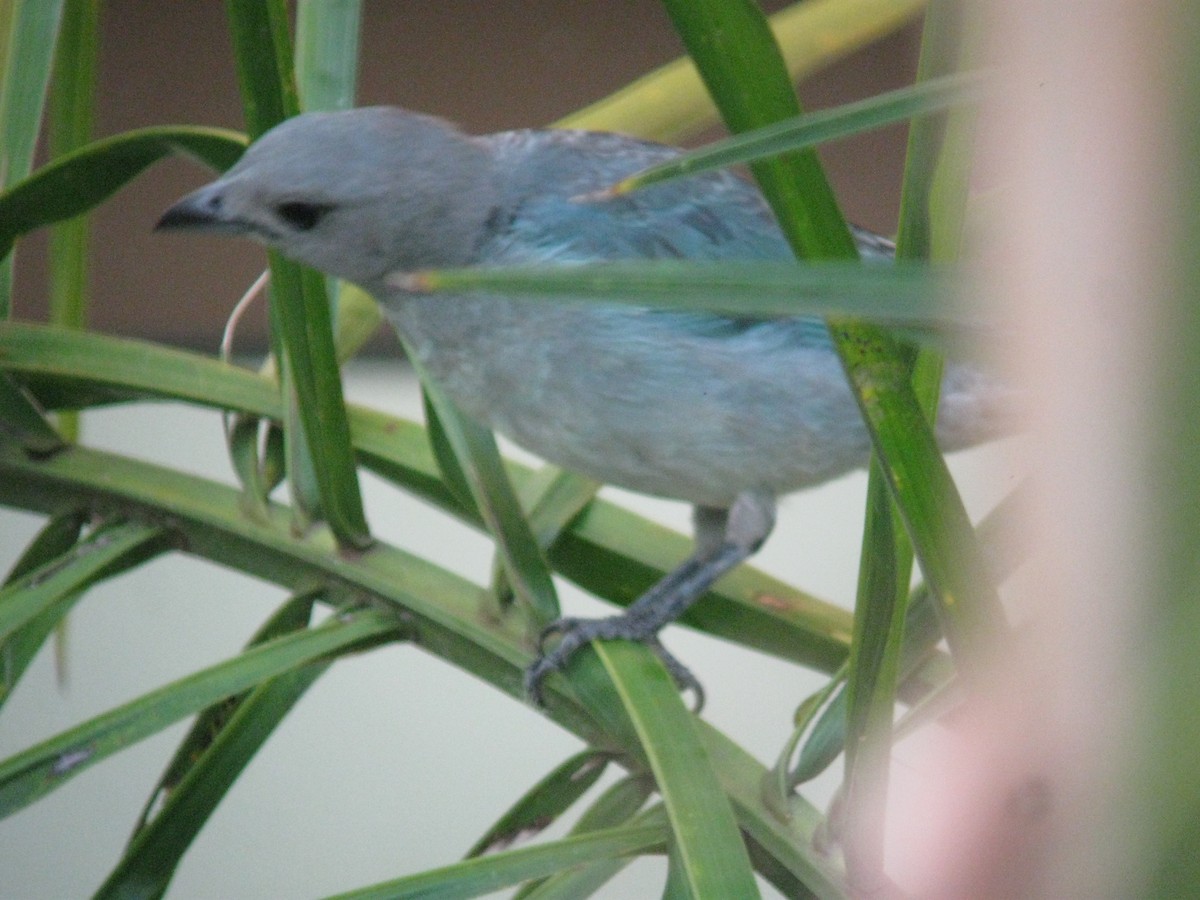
724 537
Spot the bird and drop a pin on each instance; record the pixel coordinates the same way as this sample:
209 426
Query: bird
722 412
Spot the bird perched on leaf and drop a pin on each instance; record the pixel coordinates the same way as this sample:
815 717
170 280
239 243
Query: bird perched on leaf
725 413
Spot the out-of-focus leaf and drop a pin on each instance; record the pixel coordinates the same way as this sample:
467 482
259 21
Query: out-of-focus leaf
35 772
543 803
79 181
217 748
102 554
810 129
485 874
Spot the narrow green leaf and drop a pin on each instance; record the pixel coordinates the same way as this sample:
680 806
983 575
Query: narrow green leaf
55 539
553 498
617 806
705 836
304 481
744 72
28 54
778 787
22 421
208 762
811 129
263 56
883 579
242 438
477 460
543 803
921 633
292 616
909 298
72 110
327 37
448 466
299 304
788 842
103 553
35 772
147 867
77 182
482 875
876 654
28 61
326 53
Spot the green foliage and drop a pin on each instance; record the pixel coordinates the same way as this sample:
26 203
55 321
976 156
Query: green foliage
722 816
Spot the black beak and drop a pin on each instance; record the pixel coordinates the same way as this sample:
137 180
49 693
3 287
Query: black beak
202 210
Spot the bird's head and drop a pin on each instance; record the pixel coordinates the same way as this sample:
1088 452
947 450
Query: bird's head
356 194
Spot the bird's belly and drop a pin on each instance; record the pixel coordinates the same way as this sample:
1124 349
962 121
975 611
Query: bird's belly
677 415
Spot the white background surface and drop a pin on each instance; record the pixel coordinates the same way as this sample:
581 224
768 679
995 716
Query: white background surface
395 761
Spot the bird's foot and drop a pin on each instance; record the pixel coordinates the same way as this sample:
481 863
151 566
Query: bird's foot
575 633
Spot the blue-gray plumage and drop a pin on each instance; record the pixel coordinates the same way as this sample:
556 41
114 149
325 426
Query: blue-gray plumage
721 412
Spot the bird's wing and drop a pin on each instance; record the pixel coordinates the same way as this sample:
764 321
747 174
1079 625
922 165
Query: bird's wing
545 215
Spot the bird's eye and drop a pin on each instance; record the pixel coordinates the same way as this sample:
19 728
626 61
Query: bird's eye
301 216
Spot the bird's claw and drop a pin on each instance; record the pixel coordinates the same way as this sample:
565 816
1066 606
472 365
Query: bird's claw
578 632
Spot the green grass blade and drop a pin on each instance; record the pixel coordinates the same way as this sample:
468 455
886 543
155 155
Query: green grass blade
606 550
76 182
877 654
102 554
292 616
930 505
56 537
326 53
263 57
482 875
72 111
35 772
552 497
25 66
475 458
705 840
616 806
147 867
921 633
208 762
787 841
744 71
327 38
670 104
21 420
872 669
299 304
909 298
811 129
544 802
